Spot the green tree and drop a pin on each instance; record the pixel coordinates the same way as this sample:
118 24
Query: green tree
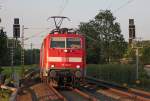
144 52
32 56
3 48
36 56
145 58
104 36
1 69
130 55
16 52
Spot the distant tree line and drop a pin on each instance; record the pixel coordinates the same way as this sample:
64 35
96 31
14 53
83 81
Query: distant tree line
31 56
144 52
3 48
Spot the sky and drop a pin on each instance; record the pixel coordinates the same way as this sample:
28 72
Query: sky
33 15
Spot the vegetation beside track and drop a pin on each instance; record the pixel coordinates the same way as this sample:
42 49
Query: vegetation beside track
7 70
121 74
4 95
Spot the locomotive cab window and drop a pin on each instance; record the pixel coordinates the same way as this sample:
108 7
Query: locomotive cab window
73 43
57 42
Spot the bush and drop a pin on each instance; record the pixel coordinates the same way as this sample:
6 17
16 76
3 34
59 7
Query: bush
4 95
120 73
113 72
145 84
1 69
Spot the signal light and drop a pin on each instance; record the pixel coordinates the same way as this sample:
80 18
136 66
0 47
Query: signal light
132 34
16 21
16 28
16 31
132 31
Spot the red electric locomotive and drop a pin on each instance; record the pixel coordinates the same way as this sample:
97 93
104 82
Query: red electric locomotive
62 56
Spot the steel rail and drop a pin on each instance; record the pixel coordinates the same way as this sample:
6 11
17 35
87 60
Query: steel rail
85 95
57 93
123 91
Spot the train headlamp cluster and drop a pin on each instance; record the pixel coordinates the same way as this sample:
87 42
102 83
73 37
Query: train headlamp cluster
65 50
78 66
52 66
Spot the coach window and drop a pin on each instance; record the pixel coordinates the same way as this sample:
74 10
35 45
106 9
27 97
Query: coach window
57 42
73 43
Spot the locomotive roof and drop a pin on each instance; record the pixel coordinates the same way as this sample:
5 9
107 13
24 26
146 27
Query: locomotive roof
64 35
63 32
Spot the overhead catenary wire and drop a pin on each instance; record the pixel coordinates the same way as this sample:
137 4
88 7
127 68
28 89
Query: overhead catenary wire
119 8
62 8
27 38
37 28
1 6
35 35
29 44
109 5
123 5
2 3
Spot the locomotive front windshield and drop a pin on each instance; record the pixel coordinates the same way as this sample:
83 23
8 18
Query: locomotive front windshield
73 43
63 42
58 42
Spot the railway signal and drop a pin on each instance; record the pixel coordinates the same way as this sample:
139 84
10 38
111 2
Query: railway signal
16 28
131 31
137 44
13 43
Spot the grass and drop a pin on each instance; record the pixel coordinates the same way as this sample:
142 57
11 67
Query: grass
7 70
18 69
121 74
112 72
4 95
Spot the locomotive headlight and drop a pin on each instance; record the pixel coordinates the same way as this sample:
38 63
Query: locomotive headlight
65 50
52 66
78 66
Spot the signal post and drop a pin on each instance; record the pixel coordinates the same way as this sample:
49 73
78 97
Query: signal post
134 42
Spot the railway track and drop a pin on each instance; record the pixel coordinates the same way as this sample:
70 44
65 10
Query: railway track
76 95
91 90
40 92
114 91
45 92
33 90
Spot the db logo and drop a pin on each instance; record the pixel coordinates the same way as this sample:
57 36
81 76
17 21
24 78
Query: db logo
65 59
